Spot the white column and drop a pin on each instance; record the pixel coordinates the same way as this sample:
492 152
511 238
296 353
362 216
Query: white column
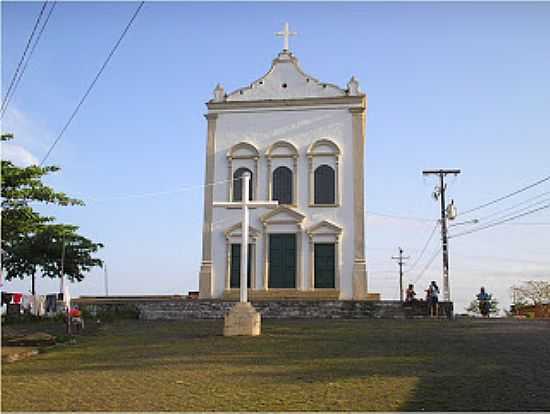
266 258
311 269
311 188
227 263
299 264
244 242
295 183
269 181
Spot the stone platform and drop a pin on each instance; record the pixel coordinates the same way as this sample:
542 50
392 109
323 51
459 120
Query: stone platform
182 309
243 320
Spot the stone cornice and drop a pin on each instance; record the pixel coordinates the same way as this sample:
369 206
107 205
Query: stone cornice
281 103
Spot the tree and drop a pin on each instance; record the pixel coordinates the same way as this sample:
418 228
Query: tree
532 292
31 241
474 307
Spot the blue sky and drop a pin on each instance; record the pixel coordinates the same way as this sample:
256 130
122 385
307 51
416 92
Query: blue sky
450 85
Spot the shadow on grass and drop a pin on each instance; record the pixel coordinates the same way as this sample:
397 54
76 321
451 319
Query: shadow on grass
445 365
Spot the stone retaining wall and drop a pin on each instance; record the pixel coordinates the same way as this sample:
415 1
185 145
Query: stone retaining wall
282 309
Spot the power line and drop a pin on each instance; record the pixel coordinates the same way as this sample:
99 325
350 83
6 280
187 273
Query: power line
521 210
542 180
496 213
8 97
426 267
540 223
421 254
499 222
29 40
158 193
111 53
423 219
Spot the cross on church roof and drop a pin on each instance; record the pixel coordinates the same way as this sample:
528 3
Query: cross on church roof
286 33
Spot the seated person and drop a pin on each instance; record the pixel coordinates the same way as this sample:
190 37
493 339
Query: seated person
410 294
484 302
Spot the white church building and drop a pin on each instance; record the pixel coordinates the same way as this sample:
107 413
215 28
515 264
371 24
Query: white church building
302 141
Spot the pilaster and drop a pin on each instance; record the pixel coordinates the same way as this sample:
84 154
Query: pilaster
359 281
206 281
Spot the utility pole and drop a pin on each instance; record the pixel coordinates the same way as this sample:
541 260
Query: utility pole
106 279
400 262
440 194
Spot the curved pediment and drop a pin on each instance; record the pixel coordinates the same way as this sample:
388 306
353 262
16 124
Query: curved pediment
285 80
243 150
282 149
323 146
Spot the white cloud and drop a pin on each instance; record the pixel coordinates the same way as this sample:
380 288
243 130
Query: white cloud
27 131
18 154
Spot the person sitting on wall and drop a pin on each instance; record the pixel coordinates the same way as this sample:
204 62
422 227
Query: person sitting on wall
410 294
484 302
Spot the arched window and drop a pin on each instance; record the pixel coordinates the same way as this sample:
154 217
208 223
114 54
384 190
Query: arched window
282 185
324 185
238 183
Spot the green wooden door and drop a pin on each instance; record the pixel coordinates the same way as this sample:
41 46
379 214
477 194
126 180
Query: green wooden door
235 279
282 260
324 265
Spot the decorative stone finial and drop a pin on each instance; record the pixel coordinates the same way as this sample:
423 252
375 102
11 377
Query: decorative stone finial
353 87
219 93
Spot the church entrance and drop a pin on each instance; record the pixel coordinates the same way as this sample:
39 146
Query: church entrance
282 260
324 265
235 279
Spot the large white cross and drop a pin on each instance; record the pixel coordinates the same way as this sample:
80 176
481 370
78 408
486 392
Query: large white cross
286 33
245 204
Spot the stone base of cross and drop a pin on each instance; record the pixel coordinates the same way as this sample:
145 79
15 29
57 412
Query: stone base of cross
243 319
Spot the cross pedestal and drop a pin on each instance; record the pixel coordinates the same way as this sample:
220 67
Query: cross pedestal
243 319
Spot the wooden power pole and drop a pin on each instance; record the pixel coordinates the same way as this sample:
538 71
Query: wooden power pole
440 194
400 262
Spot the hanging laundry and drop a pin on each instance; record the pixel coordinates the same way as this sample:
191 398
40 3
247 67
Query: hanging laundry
14 309
39 305
27 301
51 302
6 298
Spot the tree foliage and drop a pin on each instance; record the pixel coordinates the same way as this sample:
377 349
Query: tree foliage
32 241
532 292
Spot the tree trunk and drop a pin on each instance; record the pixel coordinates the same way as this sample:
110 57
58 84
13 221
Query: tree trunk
33 282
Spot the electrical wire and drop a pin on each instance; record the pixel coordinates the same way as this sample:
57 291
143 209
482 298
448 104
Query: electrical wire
423 219
110 55
487 226
521 210
421 254
9 97
158 193
496 213
542 180
29 41
427 266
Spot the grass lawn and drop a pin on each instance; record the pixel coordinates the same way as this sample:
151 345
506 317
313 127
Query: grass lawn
388 365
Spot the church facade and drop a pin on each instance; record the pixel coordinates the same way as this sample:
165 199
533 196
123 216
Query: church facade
302 142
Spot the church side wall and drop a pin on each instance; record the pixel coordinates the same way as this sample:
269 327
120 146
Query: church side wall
301 128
